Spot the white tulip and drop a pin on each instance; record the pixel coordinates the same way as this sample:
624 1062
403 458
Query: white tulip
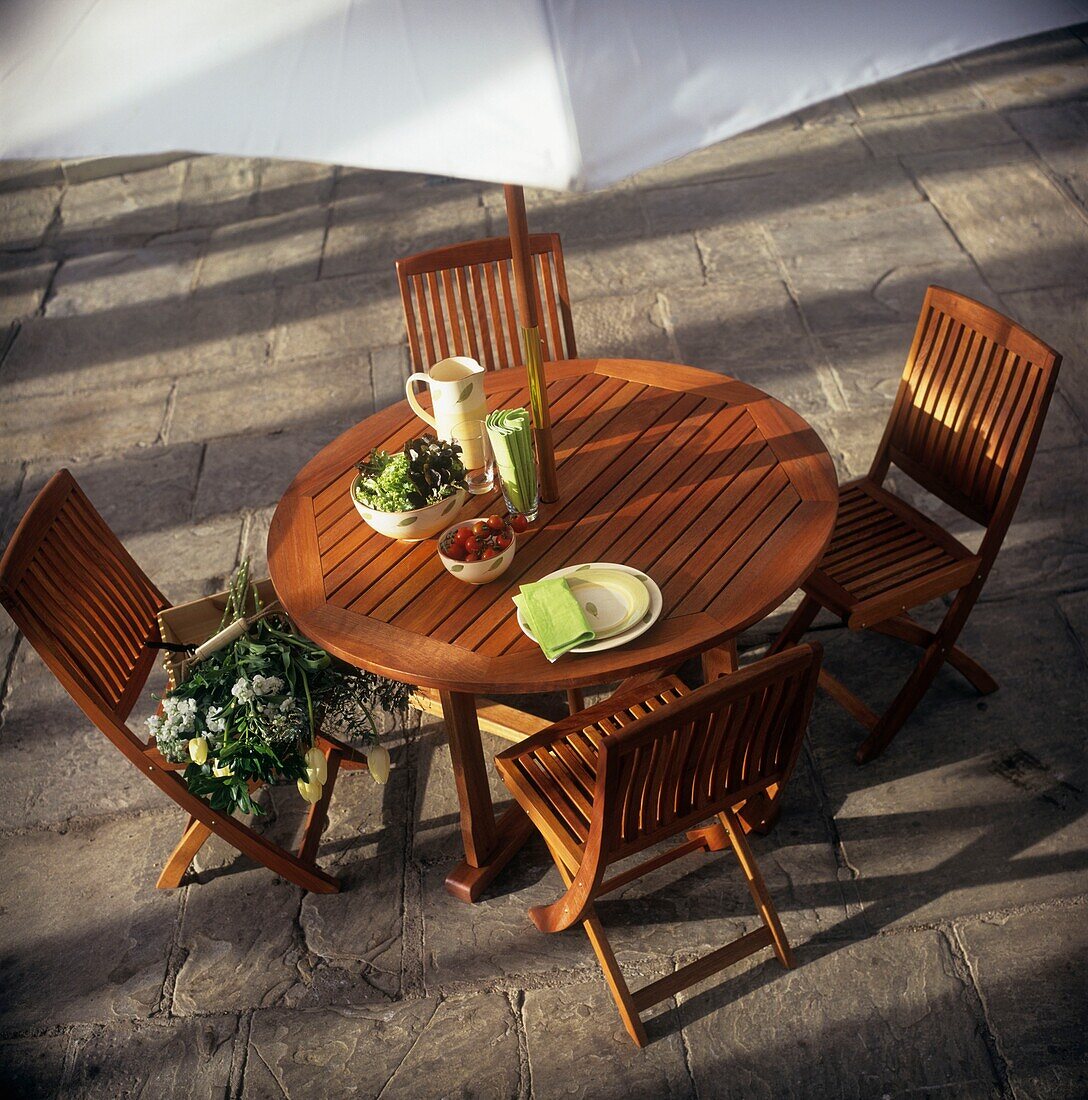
221 771
377 758
198 749
317 767
311 791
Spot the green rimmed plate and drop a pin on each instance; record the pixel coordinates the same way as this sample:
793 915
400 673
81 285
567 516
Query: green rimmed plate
618 609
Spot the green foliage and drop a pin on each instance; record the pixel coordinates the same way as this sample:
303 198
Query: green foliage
426 471
258 703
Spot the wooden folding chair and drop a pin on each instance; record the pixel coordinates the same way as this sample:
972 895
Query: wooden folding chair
460 300
613 780
89 610
964 426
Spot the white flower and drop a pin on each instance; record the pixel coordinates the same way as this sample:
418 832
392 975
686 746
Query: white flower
377 758
311 790
267 685
317 767
213 721
221 771
242 690
154 726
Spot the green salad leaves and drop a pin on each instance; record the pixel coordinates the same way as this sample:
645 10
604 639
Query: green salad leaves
426 471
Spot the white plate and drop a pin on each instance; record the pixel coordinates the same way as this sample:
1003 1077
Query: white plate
632 632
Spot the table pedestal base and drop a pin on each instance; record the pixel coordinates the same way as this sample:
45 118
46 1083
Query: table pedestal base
466 882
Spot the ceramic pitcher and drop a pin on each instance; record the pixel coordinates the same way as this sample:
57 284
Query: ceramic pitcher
457 395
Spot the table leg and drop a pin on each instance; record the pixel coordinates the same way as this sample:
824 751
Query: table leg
489 844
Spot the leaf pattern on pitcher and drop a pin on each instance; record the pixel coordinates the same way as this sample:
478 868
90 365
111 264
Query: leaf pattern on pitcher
466 392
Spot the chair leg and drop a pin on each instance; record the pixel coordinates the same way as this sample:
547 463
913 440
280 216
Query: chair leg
576 700
192 840
758 888
719 661
617 984
798 623
910 695
937 652
906 629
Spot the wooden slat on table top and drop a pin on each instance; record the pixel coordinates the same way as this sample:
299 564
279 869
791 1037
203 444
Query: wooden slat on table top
722 495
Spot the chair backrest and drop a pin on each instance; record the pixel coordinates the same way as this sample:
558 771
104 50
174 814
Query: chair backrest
460 300
675 766
970 407
82 602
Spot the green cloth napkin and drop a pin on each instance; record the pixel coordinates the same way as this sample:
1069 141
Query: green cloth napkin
554 616
510 432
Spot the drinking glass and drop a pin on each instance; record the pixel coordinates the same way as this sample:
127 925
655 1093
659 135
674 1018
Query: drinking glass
526 502
476 454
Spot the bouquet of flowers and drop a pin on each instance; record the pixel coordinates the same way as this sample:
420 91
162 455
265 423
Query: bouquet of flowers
249 711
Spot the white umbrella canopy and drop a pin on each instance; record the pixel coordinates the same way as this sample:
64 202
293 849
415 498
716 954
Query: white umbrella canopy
565 94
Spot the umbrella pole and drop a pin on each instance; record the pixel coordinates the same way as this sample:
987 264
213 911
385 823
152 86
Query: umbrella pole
525 285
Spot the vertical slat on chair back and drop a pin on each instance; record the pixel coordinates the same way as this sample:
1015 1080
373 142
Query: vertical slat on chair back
970 405
80 599
740 733
460 300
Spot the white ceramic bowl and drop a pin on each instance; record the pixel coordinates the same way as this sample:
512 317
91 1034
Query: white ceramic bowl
477 572
421 523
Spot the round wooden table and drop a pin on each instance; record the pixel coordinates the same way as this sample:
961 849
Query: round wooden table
722 494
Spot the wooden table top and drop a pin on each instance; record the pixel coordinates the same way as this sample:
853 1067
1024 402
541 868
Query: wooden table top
723 495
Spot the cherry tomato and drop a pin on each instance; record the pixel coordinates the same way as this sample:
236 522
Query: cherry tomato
488 554
502 540
519 523
455 550
472 556
463 535
479 527
496 523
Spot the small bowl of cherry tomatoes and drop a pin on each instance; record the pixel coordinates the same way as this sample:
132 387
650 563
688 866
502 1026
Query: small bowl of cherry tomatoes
481 550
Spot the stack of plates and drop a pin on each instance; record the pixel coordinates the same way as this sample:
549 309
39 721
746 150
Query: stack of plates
619 602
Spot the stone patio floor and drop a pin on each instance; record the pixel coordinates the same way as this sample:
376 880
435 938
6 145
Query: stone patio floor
186 335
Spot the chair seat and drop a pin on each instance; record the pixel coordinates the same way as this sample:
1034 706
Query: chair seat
886 557
553 774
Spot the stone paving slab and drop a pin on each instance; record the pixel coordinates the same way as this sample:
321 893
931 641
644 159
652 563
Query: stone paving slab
25 215
418 1050
271 251
56 764
23 284
33 1068
1059 134
899 1012
187 331
1019 227
979 803
368 233
124 345
1032 988
85 934
902 135
170 1058
577 1046
872 268
131 277
123 206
